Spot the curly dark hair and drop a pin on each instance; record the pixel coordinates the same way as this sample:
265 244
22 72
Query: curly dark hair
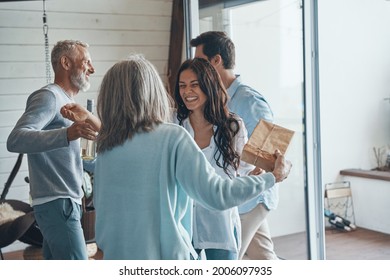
215 112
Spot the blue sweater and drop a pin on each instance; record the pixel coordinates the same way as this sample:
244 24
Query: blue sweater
55 166
143 193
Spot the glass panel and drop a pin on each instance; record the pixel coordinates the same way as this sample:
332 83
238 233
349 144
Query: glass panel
268 37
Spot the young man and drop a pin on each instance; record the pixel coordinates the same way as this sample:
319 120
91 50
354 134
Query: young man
52 145
251 106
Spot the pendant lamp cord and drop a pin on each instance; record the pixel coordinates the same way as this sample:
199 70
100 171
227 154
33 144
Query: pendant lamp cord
47 52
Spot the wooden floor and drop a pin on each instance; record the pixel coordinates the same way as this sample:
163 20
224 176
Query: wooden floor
35 253
361 244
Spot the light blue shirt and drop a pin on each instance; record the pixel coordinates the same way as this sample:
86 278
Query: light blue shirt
143 191
251 106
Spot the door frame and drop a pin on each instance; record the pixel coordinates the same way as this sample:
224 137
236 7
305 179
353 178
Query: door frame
313 188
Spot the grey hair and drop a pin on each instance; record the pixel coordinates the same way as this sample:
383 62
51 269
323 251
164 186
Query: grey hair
65 47
132 99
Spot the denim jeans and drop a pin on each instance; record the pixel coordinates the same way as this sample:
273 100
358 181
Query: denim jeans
218 254
63 236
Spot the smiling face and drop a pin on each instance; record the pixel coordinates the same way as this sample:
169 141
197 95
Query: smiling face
192 95
81 69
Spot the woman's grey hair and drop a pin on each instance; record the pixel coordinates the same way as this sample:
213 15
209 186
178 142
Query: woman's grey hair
65 47
132 99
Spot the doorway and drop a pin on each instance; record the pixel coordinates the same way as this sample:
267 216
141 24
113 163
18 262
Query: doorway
268 37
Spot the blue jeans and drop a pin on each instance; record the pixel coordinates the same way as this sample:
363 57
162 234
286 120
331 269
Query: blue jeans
218 254
63 236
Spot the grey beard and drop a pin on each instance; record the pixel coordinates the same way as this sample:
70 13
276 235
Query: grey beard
80 83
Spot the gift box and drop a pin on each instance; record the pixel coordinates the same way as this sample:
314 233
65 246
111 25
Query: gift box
265 139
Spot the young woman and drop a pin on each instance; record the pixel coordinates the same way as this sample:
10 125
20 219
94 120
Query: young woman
201 102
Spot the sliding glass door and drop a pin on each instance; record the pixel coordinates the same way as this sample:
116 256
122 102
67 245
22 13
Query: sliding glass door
268 37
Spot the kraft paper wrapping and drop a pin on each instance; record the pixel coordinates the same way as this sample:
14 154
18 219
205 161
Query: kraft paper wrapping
261 146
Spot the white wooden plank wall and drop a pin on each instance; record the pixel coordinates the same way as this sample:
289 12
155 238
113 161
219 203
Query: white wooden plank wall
113 29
